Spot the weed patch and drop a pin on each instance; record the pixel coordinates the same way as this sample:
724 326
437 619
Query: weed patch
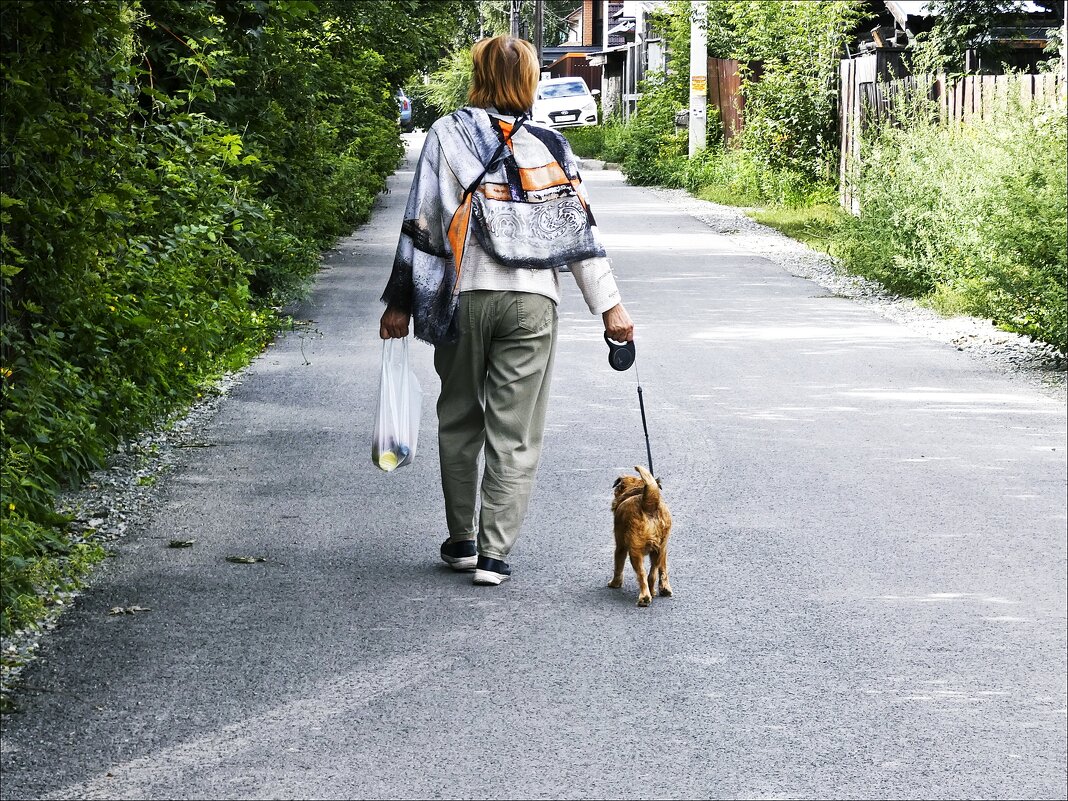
817 226
973 218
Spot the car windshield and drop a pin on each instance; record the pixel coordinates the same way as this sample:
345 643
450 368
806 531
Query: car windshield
564 89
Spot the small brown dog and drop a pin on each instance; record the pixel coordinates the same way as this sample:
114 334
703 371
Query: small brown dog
642 526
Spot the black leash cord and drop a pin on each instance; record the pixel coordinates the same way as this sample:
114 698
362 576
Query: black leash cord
645 426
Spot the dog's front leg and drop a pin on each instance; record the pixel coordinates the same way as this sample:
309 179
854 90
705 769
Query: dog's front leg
637 561
621 559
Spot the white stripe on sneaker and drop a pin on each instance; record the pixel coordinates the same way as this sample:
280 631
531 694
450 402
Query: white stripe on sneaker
489 577
461 562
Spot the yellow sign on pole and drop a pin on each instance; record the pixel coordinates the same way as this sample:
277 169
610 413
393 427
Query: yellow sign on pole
698 83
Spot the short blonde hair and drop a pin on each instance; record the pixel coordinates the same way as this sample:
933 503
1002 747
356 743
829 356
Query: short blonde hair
504 74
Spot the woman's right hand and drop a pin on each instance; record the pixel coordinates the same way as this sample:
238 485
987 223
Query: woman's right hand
394 323
617 324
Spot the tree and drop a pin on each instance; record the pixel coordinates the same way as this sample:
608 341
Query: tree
448 83
970 25
492 18
790 104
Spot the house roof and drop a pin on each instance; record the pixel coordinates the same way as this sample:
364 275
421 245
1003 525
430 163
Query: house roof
550 55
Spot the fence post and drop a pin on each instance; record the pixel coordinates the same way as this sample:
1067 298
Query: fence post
845 123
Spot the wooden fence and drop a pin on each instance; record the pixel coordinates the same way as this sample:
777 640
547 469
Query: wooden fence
869 93
725 93
575 65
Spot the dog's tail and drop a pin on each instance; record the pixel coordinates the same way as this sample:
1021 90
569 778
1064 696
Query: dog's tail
651 495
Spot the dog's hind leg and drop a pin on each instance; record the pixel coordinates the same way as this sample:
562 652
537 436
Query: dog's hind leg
654 569
621 559
662 571
637 561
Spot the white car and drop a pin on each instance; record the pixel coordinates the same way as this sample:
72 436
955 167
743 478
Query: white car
564 102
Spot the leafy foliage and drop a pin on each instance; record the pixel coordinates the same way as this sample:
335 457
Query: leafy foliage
789 52
963 25
587 141
672 23
653 149
791 101
446 91
169 171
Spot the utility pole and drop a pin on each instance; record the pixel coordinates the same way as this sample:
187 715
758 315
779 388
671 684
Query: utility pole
539 21
514 26
698 75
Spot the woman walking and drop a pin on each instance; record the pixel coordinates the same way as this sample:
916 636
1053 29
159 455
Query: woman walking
495 208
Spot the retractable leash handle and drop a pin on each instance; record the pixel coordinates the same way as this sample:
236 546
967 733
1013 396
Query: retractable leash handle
621 357
620 354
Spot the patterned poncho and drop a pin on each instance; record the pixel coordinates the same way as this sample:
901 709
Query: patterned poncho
437 219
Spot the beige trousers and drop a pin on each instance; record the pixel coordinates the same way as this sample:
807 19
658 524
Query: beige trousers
494 394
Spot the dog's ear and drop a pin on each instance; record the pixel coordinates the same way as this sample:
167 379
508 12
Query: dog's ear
617 482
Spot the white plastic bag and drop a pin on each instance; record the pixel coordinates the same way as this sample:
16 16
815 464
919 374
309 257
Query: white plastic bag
400 405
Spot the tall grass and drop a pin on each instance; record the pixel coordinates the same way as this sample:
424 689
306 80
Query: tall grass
587 141
607 141
972 217
734 177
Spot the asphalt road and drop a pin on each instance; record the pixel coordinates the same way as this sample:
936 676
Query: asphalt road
868 558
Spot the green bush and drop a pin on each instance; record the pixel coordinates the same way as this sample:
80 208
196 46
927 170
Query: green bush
790 54
614 148
649 147
170 170
587 141
447 87
128 238
972 217
791 91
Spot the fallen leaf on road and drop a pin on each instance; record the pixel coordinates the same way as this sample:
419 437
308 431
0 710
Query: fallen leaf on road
181 543
246 560
128 610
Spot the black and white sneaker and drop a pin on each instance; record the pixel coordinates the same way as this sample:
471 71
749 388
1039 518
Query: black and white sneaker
491 571
459 555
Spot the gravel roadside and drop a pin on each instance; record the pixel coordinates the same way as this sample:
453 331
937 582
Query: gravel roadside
125 494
